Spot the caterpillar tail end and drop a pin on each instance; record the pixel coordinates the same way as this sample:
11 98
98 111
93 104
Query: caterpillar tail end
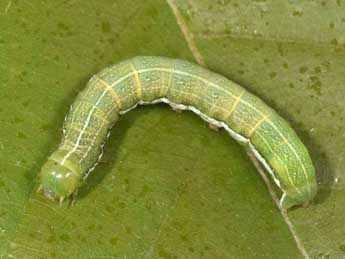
287 202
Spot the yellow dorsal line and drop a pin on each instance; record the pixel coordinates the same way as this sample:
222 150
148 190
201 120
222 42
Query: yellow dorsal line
237 101
257 125
164 89
137 79
212 109
111 90
169 84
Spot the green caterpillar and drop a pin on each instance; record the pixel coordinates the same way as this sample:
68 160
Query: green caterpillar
147 80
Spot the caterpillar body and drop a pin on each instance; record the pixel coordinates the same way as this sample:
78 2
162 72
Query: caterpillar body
183 85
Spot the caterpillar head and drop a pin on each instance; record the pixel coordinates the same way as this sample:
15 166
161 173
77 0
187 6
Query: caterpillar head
58 181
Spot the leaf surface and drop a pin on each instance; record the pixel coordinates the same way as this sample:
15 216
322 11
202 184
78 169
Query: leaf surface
167 186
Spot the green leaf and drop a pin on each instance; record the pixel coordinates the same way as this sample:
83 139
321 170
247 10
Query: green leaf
167 186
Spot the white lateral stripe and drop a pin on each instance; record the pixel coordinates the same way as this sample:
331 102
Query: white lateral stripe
92 142
219 88
202 115
231 132
84 128
282 200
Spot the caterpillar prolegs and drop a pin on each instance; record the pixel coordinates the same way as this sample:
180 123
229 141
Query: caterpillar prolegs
147 80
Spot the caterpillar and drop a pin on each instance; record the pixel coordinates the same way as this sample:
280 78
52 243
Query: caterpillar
119 88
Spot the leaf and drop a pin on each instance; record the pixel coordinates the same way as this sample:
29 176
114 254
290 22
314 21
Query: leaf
168 187
290 54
